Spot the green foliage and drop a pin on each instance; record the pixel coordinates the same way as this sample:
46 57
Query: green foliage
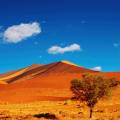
91 88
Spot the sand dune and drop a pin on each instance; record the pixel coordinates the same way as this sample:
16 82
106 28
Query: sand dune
43 82
39 70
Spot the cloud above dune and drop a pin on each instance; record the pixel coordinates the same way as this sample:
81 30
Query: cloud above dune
18 33
97 68
60 50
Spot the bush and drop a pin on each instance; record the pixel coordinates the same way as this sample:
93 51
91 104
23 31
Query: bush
46 115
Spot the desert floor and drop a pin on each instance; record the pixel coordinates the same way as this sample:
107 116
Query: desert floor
63 110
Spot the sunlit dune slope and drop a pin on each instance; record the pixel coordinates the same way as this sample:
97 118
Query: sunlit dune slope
7 77
14 74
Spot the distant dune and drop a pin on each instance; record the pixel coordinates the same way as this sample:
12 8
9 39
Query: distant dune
43 82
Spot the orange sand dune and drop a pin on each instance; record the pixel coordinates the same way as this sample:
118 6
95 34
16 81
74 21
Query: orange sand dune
43 82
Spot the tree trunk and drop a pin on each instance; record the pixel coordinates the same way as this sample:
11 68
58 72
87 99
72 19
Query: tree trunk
91 111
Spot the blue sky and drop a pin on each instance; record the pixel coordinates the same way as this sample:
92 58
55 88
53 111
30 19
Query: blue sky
86 32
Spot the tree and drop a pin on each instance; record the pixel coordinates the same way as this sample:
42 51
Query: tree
91 88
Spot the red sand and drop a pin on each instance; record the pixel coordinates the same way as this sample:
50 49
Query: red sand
43 82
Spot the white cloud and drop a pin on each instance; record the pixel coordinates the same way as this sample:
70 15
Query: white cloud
18 33
57 49
97 68
116 44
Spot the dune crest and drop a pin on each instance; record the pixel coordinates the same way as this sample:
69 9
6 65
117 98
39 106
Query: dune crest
68 62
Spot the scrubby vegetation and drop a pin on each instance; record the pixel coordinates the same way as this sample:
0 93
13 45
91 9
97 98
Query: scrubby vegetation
91 88
74 110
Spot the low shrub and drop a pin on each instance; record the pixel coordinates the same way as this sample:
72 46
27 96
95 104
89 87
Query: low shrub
46 115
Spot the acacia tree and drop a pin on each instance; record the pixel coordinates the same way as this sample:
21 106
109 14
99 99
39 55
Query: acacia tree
91 88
